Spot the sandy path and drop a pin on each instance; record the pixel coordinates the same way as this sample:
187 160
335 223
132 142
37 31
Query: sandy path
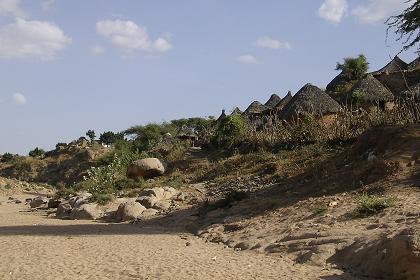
33 246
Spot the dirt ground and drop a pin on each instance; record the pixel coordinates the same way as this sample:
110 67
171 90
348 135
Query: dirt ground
34 246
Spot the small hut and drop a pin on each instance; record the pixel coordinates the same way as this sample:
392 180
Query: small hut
338 81
396 65
272 101
187 135
283 102
415 64
372 93
236 111
222 116
311 100
256 108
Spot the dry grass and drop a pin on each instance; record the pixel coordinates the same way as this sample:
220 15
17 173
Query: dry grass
347 127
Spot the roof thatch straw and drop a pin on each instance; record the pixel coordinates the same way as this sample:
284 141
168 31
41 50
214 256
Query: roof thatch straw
310 100
222 116
413 93
185 132
236 111
283 102
274 99
396 65
255 108
338 80
415 64
372 90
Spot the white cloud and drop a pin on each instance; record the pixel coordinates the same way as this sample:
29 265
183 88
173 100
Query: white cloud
96 50
24 39
269 43
378 10
130 37
247 59
333 10
11 7
19 98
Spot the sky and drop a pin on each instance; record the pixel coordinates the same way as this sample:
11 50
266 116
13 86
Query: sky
70 66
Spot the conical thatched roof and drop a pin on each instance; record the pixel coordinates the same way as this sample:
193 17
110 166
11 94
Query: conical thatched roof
222 116
412 93
285 100
372 90
395 65
310 100
236 111
338 80
415 64
274 99
255 108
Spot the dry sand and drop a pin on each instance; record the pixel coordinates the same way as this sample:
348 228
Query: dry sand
33 246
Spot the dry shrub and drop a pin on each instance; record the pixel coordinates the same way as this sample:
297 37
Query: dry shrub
347 127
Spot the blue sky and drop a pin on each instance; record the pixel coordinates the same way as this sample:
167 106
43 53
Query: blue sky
70 66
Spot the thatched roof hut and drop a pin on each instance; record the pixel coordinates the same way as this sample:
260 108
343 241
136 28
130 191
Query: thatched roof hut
415 64
255 108
310 100
337 81
372 90
283 102
396 65
274 99
222 116
236 111
413 93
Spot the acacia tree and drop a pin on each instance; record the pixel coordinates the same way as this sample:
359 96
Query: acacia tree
91 134
407 26
353 68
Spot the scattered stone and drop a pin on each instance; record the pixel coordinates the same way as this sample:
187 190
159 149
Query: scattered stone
149 212
17 201
333 204
53 203
129 211
28 200
159 193
88 211
180 197
37 202
147 201
63 210
169 192
162 205
145 168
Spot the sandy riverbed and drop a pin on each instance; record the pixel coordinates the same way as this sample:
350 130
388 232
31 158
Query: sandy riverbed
34 246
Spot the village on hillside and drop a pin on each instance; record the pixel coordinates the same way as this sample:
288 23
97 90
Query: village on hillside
381 89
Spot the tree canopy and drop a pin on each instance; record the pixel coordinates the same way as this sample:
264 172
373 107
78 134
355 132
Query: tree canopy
407 26
354 68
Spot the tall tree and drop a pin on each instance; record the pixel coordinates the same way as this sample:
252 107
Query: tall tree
407 26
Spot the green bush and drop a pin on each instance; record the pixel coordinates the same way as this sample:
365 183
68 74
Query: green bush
357 97
37 152
91 134
109 137
7 157
230 131
354 68
370 204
